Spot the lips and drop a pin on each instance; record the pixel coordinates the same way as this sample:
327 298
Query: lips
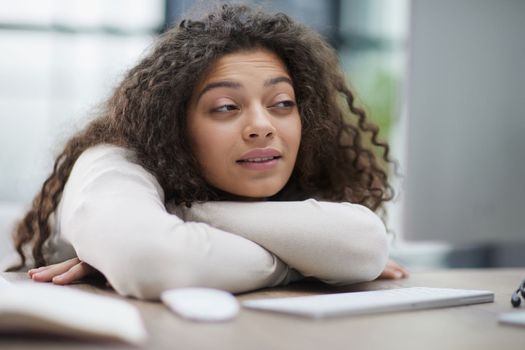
259 155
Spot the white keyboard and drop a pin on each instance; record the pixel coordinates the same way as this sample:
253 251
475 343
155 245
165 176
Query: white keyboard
357 303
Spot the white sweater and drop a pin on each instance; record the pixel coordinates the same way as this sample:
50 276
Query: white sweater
112 215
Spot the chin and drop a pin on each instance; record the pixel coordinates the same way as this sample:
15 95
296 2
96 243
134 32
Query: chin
258 193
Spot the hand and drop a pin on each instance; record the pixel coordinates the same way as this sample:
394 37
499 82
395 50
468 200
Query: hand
66 272
393 271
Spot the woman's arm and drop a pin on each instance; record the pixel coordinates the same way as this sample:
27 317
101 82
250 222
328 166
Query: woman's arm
338 243
112 213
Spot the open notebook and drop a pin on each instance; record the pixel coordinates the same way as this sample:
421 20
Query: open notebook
48 309
357 303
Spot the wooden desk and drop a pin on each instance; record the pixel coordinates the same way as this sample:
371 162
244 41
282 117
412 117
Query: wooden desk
467 327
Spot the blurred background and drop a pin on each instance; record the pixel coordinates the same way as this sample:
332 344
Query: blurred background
444 80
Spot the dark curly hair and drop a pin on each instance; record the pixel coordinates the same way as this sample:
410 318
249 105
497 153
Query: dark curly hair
147 113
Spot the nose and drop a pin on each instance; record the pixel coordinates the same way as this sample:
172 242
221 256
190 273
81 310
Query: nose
258 125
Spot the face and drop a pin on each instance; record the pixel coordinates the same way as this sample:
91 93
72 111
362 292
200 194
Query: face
244 124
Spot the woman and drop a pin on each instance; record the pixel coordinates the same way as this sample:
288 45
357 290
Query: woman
241 124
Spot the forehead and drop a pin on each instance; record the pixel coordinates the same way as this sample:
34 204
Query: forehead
253 62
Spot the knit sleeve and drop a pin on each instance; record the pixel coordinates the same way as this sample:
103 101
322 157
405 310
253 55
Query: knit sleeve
338 243
112 212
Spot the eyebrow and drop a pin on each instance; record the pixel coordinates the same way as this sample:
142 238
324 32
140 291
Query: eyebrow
235 85
277 80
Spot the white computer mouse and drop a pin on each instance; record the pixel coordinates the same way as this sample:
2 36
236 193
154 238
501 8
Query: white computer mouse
201 304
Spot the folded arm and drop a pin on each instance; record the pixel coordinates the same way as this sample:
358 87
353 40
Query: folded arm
112 213
338 243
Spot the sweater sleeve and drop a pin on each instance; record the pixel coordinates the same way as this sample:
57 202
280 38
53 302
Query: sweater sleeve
338 243
112 212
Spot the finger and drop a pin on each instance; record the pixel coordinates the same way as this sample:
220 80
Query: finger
69 262
390 273
75 273
403 270
31 272
385 274
396 266
406 273
47 274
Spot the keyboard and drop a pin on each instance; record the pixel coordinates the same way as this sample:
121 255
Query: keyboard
359 303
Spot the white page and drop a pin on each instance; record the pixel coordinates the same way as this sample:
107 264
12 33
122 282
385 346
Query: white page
39 307
4 283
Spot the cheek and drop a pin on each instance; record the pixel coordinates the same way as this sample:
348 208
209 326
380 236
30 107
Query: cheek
199 142
206 146
211 147
299 131
292 133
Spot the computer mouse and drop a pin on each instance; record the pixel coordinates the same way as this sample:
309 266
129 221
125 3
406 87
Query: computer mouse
201 304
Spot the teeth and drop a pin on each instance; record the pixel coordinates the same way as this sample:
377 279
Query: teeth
255 160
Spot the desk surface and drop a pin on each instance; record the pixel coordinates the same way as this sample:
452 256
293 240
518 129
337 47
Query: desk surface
466 327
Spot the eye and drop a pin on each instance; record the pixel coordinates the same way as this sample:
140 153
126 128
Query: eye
284 104
225 108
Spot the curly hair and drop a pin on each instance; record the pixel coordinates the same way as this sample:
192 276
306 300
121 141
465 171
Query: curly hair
147 113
